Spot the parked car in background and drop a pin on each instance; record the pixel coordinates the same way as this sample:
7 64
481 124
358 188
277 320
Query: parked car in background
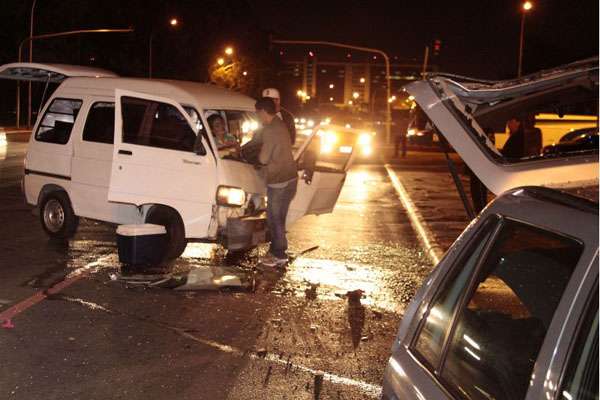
511 311
573 134
578 141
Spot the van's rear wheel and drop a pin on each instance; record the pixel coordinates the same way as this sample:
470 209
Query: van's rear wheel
57 216
172 222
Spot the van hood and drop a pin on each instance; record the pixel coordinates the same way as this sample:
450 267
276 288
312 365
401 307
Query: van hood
55 73
462 109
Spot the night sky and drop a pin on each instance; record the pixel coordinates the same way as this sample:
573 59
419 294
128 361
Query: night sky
479 38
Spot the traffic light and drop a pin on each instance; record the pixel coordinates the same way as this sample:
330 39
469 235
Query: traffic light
437 46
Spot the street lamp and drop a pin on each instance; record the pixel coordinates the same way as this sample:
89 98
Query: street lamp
229 51
220 61
173 22
525 7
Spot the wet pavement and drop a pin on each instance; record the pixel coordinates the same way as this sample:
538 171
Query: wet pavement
320 329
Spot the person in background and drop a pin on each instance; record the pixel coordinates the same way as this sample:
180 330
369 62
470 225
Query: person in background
532 138
515 145
281 177
282 113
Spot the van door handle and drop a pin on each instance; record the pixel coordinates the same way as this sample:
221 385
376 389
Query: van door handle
191 162
126 152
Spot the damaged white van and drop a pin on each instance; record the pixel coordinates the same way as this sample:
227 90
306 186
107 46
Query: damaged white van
129 151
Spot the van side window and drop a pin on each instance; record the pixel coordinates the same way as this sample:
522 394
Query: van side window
155 124
58 121
100 123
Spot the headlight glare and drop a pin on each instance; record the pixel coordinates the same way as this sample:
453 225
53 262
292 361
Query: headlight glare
231 196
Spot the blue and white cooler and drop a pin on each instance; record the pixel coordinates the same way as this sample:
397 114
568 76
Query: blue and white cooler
141 244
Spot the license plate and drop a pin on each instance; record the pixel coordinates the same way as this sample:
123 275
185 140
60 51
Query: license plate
346 149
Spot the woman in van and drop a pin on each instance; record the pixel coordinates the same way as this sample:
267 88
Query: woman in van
224 139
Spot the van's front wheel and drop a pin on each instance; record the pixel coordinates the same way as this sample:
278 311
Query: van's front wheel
57 216
170 219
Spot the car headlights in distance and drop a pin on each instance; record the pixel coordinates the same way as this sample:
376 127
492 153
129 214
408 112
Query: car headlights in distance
230 196
328 141
365 139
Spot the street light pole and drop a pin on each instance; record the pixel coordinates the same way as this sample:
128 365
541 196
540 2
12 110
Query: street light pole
388 122
525 8
30 60
54 35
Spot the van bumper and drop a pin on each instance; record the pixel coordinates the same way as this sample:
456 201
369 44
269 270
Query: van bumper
246 232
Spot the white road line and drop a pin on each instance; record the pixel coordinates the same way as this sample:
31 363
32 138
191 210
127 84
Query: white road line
434 250
369 389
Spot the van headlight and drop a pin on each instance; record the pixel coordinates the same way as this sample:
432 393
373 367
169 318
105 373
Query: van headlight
230 196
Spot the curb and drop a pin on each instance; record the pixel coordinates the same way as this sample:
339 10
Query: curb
426 237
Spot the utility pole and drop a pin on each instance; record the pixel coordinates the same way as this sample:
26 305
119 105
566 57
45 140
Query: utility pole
425 61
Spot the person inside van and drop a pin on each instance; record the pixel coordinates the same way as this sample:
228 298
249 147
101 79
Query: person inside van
226 142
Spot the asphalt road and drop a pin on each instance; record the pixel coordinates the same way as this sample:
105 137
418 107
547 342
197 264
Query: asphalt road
79 333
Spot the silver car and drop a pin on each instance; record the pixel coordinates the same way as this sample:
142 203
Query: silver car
511 311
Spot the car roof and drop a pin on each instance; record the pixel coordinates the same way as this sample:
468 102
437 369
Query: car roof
185 92
84 80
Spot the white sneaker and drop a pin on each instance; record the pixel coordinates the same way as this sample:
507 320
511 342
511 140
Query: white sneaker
270 260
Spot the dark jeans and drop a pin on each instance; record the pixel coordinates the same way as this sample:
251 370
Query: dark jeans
279 200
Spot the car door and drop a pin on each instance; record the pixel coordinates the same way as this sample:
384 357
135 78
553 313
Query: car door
160 157
321 175
485 325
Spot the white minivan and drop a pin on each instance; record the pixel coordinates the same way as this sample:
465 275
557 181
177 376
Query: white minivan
129 151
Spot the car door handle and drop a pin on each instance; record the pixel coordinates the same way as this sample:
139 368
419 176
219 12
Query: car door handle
126 152
191 162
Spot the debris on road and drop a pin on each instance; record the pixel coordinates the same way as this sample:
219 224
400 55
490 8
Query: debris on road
355 295
311 290
7 324
318 383
214 278
262 352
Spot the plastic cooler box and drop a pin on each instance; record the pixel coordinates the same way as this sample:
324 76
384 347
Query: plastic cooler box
141 244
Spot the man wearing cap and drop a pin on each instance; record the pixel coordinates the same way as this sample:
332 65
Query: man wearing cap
281 176
282 113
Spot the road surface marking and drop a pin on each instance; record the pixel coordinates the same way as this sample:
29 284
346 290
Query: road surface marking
369 389
433 248
29 302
